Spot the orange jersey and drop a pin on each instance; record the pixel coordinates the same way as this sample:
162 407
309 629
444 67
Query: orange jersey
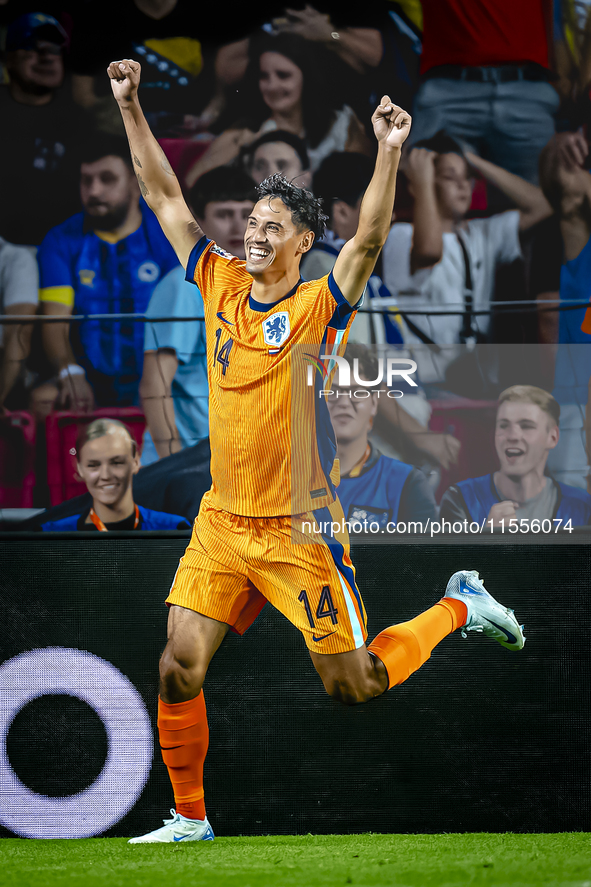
272 444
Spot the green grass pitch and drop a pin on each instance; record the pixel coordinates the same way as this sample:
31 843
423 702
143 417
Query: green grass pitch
557 860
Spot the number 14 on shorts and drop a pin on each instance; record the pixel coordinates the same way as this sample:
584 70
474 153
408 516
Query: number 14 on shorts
325 608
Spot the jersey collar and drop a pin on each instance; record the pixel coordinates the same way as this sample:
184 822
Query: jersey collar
263 307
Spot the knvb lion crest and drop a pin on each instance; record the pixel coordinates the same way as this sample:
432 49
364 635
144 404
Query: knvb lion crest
276 329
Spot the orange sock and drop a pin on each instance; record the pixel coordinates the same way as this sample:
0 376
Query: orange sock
404 648
184 739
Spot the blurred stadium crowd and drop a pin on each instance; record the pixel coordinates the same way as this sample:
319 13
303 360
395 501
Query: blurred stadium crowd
485 279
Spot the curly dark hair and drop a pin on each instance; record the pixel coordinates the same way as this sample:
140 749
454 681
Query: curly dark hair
306 210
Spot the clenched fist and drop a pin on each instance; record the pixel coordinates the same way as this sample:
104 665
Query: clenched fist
125 79
502 511
391 124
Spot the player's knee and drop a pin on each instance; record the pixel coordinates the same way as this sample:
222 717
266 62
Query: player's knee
179 679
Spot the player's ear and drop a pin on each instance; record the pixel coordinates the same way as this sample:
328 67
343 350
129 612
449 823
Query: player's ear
306 242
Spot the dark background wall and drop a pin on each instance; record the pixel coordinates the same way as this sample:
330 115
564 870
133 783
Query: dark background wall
479 739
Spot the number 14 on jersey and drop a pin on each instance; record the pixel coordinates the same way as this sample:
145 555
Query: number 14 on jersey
222 354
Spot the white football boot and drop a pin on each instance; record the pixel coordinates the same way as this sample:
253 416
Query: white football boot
485 614
179 828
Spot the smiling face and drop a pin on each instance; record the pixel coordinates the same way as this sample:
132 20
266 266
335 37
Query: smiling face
351 417
280 82
452 186
272 241
225 222
524 436
107 465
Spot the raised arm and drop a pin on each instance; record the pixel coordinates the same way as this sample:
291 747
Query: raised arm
157 181
529 199
357 258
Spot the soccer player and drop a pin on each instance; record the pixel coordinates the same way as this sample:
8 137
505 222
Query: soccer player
244 550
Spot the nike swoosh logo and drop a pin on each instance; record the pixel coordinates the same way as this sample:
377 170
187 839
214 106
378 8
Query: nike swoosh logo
221 317
510 637
314 638
182 838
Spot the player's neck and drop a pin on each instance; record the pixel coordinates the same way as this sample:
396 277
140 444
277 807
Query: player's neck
272 286
350 453
111 514
520 489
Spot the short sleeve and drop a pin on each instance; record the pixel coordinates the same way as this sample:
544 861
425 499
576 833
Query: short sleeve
55 276
19 277
210 268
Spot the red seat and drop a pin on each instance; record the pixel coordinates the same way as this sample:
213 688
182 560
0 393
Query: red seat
472 422
17 460
61 431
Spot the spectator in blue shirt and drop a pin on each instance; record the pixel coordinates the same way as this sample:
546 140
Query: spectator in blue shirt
174 387
106 259
520 491
373 487
107 460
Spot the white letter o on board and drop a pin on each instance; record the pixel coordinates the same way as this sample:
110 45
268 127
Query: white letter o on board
59 670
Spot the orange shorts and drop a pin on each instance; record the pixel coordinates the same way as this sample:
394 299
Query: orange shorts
234 565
